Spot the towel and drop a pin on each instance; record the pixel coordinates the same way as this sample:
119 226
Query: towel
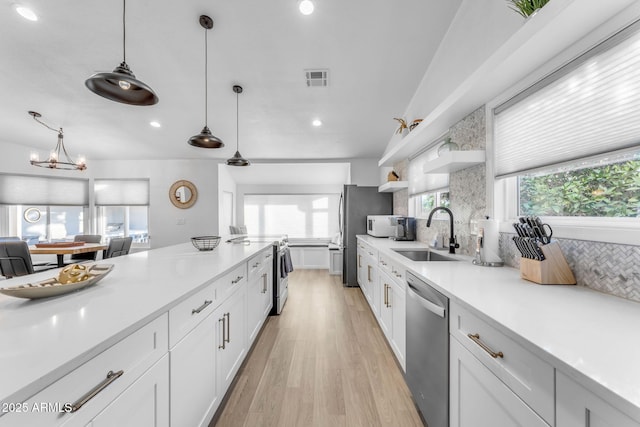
286 266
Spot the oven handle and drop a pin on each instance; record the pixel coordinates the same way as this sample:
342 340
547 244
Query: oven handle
432 307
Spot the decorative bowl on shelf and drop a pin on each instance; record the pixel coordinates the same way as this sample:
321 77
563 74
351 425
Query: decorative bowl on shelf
205 243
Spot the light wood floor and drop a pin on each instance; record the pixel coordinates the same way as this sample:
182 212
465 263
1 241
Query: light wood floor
323 362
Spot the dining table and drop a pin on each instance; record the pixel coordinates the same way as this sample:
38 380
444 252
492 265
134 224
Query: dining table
65 248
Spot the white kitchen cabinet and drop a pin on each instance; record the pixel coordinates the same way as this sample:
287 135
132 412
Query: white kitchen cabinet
259 293
579 407
335 261
522 371
393 315
360 253
231 338
144 403
194 397
309 257
479 398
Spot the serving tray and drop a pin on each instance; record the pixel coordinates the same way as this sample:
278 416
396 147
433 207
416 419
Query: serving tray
52 287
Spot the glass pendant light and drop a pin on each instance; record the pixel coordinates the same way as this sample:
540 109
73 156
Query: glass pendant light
205 139
237 159
121 85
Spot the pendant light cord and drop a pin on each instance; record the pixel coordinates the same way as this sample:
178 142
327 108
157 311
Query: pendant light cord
206 79
124 31
237 123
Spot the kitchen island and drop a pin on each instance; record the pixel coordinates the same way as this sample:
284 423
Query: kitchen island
584 342
140 303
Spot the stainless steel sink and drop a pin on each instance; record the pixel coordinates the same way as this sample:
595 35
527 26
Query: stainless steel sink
423 255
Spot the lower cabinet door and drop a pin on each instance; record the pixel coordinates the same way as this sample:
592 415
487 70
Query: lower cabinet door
193 376
231 338
579 407
479 398
143 403
386 313
396 300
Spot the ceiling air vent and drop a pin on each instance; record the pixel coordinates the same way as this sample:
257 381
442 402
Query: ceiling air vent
317 78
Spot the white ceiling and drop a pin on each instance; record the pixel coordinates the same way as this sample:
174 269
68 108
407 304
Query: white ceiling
376 51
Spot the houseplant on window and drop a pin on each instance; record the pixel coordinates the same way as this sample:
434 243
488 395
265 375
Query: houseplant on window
527 8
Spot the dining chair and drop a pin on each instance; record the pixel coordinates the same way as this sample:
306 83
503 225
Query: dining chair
118 246
238 229
15 259
86 256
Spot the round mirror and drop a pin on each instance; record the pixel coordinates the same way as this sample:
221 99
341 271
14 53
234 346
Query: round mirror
183 194
32 215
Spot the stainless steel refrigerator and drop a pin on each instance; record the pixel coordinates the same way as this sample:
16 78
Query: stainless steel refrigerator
356 204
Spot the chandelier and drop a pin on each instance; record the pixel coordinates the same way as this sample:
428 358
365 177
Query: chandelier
55 161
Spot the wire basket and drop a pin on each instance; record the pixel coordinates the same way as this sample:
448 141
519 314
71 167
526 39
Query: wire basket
205 243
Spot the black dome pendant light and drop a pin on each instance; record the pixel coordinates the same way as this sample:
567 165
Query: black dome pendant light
121 85
205 139
237 159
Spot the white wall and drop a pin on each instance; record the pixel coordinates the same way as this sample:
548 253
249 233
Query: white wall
169 225
226 184
364 172
200 219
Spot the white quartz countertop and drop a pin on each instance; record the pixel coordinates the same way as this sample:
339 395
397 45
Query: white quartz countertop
42 340
591 336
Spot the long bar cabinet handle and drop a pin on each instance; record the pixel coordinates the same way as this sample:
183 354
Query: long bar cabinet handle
476 339
368 272
111 377
223 320
359 260
264 283
228 327
202 307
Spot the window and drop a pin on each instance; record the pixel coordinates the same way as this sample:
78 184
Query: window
39 208
122 209
297 215
607 190
567 147
424 203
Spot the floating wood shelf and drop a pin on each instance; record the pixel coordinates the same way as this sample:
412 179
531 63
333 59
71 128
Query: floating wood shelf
393 186
453 161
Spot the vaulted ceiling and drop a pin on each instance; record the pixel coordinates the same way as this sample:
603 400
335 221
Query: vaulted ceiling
376 53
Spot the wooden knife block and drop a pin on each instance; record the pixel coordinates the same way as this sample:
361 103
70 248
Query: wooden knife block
554 270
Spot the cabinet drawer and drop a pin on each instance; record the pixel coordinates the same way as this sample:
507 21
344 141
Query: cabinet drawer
394 269
132 356
187 314
256 264
528 376
227 284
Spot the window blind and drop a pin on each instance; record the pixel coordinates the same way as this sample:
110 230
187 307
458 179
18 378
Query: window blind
587 108
43 190
420 182
121 192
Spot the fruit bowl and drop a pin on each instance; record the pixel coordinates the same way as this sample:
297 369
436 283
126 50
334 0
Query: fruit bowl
205 243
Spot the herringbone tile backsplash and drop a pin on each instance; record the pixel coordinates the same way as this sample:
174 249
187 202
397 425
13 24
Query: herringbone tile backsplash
606 267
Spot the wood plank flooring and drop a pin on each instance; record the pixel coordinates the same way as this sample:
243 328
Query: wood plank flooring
323 362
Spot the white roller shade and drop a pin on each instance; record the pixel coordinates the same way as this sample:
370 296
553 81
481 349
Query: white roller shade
121 192
43 190
587 108
420 182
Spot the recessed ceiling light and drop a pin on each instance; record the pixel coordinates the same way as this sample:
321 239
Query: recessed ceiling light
306 7
26 13
155 124
316 122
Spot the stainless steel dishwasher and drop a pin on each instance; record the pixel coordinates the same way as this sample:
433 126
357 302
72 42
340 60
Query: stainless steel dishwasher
428 351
